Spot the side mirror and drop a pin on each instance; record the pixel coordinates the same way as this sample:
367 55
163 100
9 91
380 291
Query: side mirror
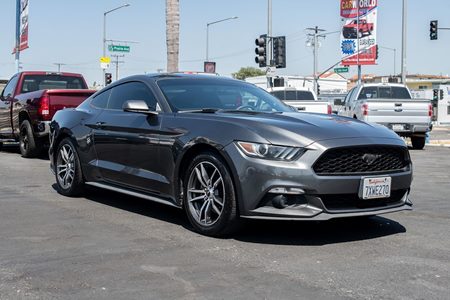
338 102
138 106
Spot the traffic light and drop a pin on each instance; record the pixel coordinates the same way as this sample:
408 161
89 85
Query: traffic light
261 51
108 78
318 89
376 49
435 94
279 51
434 30
441 94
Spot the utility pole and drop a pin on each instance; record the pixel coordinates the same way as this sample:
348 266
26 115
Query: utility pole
117 62
59 66
315 35
269 44
17 54
357 36
404 7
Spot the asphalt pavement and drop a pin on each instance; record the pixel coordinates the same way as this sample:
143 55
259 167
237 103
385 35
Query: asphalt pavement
111 246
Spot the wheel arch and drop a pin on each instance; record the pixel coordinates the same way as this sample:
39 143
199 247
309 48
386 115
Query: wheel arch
194 150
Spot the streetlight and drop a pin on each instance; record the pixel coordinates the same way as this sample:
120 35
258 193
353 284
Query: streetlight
395 55
207 33
104 30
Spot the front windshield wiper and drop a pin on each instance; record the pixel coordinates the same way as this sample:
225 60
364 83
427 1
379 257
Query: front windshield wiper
202 110
251 112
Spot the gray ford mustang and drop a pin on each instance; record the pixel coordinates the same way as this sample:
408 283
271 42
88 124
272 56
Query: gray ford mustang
223 149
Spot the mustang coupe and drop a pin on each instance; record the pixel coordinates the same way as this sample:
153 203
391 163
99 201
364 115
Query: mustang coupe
222 150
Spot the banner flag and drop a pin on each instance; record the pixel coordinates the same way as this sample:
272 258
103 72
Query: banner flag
359 37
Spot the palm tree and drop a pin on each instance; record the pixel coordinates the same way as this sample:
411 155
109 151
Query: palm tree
172 34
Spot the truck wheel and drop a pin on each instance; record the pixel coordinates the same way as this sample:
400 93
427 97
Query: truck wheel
418 142
68 173
29 145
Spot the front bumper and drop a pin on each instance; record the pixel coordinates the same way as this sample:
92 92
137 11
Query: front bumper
257 177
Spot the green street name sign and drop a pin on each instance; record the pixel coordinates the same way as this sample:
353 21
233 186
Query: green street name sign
119 48
340 70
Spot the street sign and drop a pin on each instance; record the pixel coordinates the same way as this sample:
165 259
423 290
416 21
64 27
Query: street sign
209 67
341 70
118 48
104 62
105 59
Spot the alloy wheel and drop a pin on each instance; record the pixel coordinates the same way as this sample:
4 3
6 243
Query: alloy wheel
65 166
206 193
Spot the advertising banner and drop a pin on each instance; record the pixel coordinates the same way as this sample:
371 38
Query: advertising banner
359 34
23 25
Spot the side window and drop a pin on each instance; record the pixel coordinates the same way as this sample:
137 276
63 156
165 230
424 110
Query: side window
101 100
131 91
10 87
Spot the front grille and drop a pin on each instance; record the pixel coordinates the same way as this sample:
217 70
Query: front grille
352 201
365 160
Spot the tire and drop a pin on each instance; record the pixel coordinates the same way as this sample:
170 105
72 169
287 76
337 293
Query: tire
68 173
209 196
29 146
417 142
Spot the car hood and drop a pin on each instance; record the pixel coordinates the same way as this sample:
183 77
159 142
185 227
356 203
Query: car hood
306 128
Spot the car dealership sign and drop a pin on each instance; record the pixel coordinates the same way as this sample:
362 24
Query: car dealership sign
359 32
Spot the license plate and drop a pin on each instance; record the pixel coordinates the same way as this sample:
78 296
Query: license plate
375 187
398 127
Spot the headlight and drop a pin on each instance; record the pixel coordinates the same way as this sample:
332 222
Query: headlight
272 152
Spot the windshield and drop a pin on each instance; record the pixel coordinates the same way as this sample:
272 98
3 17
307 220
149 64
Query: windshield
196 94
294 95
385 92
33 83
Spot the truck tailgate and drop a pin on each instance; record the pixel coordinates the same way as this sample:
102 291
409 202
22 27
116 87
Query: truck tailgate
309 106
410 111
60 99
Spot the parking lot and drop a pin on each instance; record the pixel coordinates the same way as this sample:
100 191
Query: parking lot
117 247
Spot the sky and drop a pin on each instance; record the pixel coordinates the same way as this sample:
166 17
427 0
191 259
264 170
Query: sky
70 32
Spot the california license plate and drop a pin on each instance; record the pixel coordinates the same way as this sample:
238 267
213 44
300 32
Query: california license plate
398 127
375 187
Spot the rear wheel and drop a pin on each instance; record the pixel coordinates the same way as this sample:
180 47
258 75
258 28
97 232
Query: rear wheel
29 145
69 177
209 197
417 142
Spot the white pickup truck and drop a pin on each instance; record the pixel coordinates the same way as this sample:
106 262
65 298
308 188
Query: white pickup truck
302 99
390 105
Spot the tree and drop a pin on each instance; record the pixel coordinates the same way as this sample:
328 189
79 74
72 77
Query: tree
248 72
172 34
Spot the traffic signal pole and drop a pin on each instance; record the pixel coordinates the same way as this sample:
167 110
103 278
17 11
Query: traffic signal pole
269 43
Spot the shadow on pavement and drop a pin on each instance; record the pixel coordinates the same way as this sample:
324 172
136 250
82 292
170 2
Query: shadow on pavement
301 233
15 149
307 233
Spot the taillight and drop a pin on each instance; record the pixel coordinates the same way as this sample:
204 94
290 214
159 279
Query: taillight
44 108
365 109
430 110
329 111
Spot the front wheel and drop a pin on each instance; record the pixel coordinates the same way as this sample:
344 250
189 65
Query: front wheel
209 196
69 177
418 142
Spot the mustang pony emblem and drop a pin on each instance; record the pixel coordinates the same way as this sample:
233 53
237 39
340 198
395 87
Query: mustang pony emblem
370 158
